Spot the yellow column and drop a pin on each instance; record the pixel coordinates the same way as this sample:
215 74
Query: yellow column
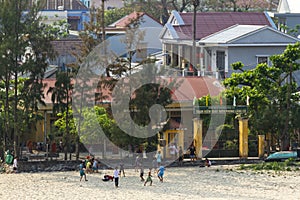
261 146
198 136
243 138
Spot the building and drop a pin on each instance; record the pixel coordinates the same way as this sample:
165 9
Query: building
288 16
111 4
148 27
63 5
220 39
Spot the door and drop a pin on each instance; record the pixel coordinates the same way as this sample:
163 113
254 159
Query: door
221 63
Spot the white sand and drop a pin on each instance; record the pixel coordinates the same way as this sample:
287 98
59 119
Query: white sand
216 182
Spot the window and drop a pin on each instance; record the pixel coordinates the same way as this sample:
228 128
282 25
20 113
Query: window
262 59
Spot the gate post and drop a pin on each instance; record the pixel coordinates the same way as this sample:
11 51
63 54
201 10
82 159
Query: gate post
197 127
261 146
243 138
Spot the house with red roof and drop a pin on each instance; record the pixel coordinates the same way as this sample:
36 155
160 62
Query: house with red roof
221 38
180 111
148 27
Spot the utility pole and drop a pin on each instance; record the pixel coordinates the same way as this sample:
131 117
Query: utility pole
102 24
195 4
16 66
286 137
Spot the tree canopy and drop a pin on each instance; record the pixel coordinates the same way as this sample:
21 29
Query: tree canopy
272 93
25 48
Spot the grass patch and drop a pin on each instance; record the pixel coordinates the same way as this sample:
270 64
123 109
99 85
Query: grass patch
288 165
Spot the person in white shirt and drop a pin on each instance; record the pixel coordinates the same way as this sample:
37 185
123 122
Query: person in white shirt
173 150
116 177
207 162
15 164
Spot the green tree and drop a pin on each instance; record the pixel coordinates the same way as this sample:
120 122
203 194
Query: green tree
91 37
61 99
113 15
63 123
272 93
24 47
238 5
93 118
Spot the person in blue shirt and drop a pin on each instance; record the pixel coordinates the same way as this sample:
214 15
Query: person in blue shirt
160 173
82 171
158 158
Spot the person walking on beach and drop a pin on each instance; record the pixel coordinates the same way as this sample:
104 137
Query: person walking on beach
142 173
181 156
89 166
122 169
173 151
149 178
82 171
160 173
158 158
95 165
116 177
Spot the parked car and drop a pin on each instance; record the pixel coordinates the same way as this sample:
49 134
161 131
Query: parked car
281 156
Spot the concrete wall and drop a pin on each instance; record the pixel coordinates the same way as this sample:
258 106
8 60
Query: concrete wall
248 55
47 166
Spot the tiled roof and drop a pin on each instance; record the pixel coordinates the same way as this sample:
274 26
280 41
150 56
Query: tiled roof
189 88
198 87
125 21
208 23
67 46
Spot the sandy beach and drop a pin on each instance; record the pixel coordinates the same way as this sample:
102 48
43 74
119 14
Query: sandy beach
216 182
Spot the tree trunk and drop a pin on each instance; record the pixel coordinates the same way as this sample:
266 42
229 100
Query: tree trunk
285 144
77 148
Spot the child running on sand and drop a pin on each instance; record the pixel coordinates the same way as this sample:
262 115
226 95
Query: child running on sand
81 171
160 173
149 178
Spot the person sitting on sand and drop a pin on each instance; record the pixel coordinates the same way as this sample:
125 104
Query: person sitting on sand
107 178
207 162
15 165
